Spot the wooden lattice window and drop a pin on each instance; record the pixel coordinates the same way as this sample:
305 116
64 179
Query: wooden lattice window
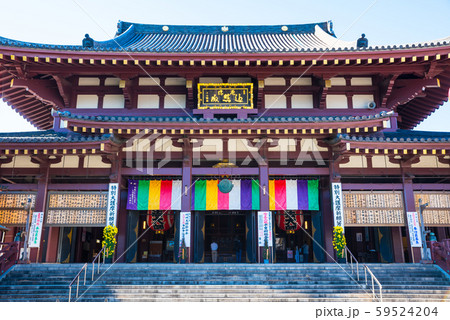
437 213
373 208
76 209
12 207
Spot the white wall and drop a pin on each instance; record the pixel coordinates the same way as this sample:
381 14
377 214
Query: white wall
175 82
302 101
88 81
87 101
149 81
148 101
360 101
337 101
301 81
113 101
274 81
175 101
361 81
275 101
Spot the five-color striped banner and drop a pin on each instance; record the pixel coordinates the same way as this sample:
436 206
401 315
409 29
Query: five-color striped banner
154 195
245 195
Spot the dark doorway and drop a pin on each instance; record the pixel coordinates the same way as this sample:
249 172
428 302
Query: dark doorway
370 244
294 247
79 244
154 246
227 230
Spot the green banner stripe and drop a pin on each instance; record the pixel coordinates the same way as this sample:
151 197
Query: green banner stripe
142 199
255 195
313 194
200 195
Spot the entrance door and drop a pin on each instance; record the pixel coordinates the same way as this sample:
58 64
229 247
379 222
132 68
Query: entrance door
295 247
228 231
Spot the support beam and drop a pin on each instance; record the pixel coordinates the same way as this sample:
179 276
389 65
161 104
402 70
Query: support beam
411 89
44 90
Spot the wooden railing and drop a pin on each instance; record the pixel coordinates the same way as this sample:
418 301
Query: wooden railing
9 254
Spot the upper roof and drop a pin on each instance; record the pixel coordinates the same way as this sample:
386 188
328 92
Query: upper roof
135 37
50 136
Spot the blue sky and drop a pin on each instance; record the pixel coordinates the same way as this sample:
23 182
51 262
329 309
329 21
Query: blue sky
384 22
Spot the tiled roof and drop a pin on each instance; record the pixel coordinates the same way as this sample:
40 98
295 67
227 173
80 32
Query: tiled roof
50 136
69 115
400 136
134 37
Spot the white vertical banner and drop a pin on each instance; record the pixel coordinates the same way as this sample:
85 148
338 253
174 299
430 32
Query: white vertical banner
338 207
185 228
111 210
415 234
265 228
37 221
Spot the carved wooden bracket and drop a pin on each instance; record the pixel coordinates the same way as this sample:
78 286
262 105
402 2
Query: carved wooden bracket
44 90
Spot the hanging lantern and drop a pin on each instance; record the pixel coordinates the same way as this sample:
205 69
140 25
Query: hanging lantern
225 186
160 222
289 221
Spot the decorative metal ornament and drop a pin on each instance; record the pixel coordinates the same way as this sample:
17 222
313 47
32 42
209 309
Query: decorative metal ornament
225 186
165 28
224 29
284 28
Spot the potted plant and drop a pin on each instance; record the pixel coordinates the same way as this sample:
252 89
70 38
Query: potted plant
339 243
109 242
266 254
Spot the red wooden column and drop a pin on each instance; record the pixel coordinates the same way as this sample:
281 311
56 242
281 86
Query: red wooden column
397 244
410 206
186 193
40 204
263 165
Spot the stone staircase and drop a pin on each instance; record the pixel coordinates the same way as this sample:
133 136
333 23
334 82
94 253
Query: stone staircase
224 282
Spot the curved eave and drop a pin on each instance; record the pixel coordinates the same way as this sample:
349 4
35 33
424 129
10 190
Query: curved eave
57 148
227 128
24 103
312 53
420 108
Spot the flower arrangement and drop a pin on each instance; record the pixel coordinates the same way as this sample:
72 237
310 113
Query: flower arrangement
109 240
339 242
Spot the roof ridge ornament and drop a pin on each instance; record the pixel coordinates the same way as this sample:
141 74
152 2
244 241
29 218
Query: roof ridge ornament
362 42
88 42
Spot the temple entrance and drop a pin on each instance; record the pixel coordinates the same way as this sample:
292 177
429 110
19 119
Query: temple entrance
156 244
370 244
294 246
228 231
79 244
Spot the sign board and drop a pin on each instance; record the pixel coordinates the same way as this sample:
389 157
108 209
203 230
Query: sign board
225 95
111 210
37 221
338 210
415 234
185 229
265 228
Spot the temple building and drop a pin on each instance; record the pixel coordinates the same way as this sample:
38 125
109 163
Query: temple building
258 138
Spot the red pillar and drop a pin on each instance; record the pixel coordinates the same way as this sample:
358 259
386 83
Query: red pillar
52 245
40 205
397 243
410 206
